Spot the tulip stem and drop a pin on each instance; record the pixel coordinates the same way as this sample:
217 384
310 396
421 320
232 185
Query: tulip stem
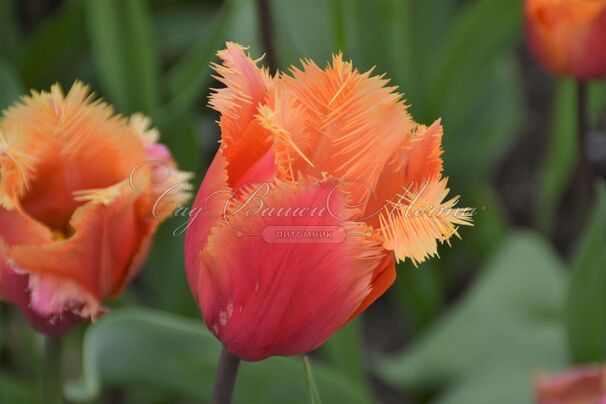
266 27
584 171
225 379
52 382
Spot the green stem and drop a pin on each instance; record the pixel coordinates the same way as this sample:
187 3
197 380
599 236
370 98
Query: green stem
265 18
51 391
584 170
225 380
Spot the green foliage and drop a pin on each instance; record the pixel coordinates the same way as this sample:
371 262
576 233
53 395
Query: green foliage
14 391
166 354
562 155
61 38
345 352
123 50
10 84
8 28
311 383
509 323
189 74
586 316
478 322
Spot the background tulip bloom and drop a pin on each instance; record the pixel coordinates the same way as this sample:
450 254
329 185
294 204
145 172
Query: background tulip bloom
330 137
78 193
581 385
568 35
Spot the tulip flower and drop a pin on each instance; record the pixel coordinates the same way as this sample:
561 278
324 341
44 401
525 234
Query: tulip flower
322 180
80 199
581 385
567 36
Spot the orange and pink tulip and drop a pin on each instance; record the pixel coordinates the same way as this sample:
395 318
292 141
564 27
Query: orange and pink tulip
79 204
568 36
321 182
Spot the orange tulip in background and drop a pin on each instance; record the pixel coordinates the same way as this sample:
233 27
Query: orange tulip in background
576 386
79 203
569 36
321 181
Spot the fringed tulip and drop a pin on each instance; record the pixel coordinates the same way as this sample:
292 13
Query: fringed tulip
321 182
82 192
576 386
568 36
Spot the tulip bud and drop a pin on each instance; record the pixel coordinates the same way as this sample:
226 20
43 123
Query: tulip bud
581 385
79 203
568 36
322 180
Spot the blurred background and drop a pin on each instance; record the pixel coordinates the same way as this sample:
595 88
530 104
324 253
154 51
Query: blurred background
523 292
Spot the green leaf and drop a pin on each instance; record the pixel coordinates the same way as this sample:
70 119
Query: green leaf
344 352
597 100
49 54
8 28
490 226
169 289
10 85
382 35
177 26
191 72
123 51
419 291
337 11
153 351
293 38
561 157
244 28
511 317
464 51
471 84
311 382
586 318
473 143
505 383
14 391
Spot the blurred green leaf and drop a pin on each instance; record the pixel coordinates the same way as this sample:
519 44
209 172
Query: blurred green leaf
165 281
124 54
159 352
511 316
474 144
471 84
244 28
14 391
419 291
597 100
561 155
186 79
344 352
337 16
311 382
8 28
380 34
490 227
506 382
394 36
457 63
49 53
586 318
177 27
10 85
293 38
